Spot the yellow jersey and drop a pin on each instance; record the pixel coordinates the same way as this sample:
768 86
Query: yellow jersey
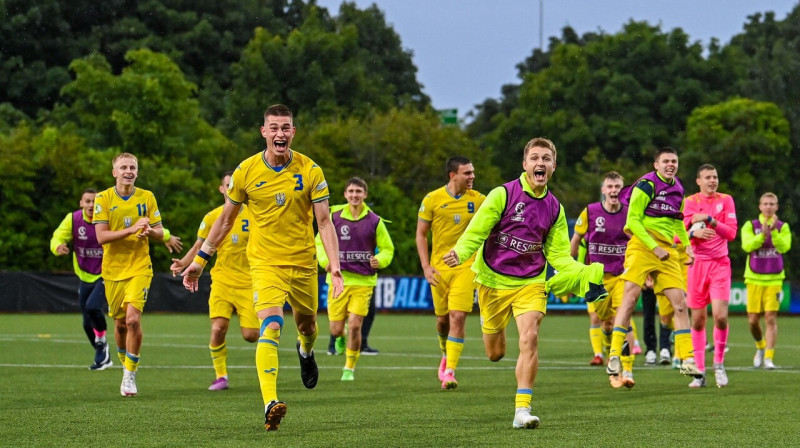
281 208
449 216
130 256
231 268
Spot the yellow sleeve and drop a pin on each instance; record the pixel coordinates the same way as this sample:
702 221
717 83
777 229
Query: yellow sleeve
152 211
100 209
236 192
582 224
205 227
319 187
426 209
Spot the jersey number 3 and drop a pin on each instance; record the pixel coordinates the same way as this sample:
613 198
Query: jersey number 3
299 185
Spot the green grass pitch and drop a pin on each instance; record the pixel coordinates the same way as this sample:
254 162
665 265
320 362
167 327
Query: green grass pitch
48 397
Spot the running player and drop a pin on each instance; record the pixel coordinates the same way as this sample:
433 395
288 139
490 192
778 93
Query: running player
87 260
655 218
231 288
364 247
601 226
446 212
125 219
519 229
285 191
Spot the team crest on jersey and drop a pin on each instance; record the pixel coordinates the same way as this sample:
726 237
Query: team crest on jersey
519 209
280 199
127 221
719 208
344 233
457 219
600 224
235 238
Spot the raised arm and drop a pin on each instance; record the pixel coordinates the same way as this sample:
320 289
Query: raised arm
782 240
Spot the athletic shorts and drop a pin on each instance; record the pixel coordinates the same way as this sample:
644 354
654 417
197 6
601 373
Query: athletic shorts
641 261
455 291
224 300
664 305
132 291
498 305
607 308
353 299
708 279
763 298
273 286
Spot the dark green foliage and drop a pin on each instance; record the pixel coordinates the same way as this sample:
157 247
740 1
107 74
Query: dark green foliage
183 85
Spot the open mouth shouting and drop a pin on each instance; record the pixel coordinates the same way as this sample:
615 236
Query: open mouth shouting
540 175
281 144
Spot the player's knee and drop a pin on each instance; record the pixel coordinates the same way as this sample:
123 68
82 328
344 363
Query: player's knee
250 335
132 323
272 323
495 356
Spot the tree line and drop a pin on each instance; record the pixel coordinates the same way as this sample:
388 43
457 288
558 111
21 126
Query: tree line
184 85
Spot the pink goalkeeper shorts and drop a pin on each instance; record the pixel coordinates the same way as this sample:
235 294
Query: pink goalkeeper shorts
708 280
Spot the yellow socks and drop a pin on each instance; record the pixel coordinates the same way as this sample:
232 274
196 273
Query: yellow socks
121 355
596 338
443 343
762 344
617 339
454 347
307 342
267 358
683 344
627 362
769 353
523 398
219 357
351 358
131 361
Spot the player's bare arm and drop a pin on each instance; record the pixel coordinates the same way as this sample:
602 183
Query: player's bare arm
431 274
574 244
179 264
222 226
105 236
154 233
330 243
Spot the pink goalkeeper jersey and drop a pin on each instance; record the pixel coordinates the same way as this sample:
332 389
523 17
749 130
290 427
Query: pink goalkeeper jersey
720 207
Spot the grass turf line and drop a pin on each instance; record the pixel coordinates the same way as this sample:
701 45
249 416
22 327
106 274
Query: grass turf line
396 399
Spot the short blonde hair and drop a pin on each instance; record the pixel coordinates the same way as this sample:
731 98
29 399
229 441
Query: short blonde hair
542 143
123 155
770 195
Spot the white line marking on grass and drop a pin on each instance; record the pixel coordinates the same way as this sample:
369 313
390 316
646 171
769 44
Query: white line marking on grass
783 370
